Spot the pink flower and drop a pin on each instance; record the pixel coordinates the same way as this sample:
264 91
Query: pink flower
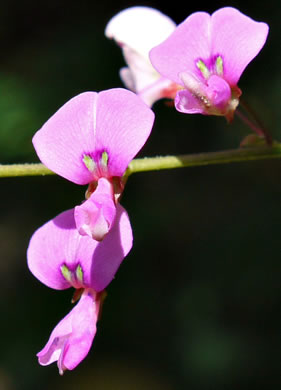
137 30
91 140
72 338
206 55
62 258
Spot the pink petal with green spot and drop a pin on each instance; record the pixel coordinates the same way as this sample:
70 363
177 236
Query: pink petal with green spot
124 123
90 263
115 121
190 40
227 33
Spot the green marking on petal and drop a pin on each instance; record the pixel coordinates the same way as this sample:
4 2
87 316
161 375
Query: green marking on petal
66 273
79 273
104 159
219 66
89 163
203 69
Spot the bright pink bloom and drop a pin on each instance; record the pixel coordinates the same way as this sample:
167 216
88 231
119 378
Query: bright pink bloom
94 136
62 258
206 55
72 338
137 30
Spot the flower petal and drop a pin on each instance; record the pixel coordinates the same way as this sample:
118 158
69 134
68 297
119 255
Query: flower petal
160 89
177 54
56 244
142 72
143 79
60 257
127 78
115 121
123 124
95 216
67 136
218 92
110 252
187 103
237 39
71 339
127 28
140 28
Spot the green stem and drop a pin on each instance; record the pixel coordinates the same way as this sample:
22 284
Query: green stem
16 170
166 162
200 159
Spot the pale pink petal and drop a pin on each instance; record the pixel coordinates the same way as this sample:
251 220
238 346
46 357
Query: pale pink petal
162 88
91 221
143 79
123 124
95 216
72 338
60 257
142 72
127 78
178 53
187 103
188 100
67 136
237 39
139 28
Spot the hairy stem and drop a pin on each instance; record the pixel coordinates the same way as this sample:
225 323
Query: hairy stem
166 162
200 159
16 170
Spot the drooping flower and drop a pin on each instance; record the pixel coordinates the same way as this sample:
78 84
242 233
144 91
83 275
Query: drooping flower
137 30
72 338
91 140
62 258
206 55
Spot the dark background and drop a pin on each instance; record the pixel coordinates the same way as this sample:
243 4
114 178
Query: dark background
196 304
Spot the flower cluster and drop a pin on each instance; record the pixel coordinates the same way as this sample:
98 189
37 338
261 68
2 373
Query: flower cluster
199 62
90 140
93 137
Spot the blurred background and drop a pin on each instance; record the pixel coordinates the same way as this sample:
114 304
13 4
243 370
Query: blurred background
196 304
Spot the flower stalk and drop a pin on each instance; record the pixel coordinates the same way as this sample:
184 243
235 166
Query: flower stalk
256 125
